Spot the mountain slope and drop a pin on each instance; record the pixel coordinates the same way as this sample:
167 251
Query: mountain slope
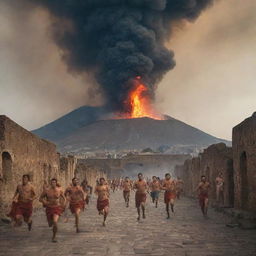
69 123
83 130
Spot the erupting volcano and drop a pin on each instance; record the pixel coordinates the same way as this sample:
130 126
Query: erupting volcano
139 102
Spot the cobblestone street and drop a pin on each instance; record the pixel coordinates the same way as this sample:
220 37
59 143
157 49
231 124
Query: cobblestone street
187 233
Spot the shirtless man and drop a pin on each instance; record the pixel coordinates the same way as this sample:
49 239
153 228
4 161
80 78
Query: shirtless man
169 185
76 197
155 189
127 186
203 190
141 195
22 205
179 187
220 189
87 190
102 191
53 199
113 185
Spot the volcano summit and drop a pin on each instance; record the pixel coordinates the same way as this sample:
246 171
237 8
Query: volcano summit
88 129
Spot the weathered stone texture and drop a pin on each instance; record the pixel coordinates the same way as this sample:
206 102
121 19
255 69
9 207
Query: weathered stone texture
244 153
215 158
90 173
24 153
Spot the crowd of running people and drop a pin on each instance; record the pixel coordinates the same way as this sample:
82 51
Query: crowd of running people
76 196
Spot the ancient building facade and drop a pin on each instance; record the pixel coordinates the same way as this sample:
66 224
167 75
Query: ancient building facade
22 152
244 153
216 158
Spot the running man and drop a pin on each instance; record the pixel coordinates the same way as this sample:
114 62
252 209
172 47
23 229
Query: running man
155 190
22 205
169 185
127 186
179 187
53 199
220 189
141 195
87 190
203 191
102 191
76 197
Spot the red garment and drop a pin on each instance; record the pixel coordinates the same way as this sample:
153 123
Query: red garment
168 195
53 210
140 198
202 196
73 206
21 208
101 204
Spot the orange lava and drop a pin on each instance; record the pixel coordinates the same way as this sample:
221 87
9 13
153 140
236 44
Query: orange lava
139 103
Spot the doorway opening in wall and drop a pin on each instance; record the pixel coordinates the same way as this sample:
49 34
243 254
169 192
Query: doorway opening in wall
244 180
7 166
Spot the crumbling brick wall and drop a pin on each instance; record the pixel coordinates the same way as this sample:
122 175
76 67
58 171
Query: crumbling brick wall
90 173
22 152
215 158
244 153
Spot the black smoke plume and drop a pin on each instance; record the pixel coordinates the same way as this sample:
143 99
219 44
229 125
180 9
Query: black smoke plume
118 40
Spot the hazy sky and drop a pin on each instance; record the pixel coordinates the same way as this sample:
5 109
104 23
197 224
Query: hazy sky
212 86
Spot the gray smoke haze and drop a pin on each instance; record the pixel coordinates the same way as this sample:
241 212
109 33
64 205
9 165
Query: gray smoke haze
117 40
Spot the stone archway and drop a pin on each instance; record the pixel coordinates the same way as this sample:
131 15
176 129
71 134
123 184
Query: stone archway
244 181
7 166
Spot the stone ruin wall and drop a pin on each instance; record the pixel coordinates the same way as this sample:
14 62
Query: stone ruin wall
244 154
215 158
90 173
237 164
22 152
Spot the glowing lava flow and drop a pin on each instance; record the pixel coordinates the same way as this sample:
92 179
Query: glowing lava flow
140 102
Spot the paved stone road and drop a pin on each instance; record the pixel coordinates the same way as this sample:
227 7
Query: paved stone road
187 233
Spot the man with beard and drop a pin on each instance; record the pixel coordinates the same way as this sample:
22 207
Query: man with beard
22 205
169 185
141 195
51 200
155 190
76 197
102 191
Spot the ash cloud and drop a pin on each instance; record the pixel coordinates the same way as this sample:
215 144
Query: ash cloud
118 40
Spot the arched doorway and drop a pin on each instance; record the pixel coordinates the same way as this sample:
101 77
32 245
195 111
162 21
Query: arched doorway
7 166
244 180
